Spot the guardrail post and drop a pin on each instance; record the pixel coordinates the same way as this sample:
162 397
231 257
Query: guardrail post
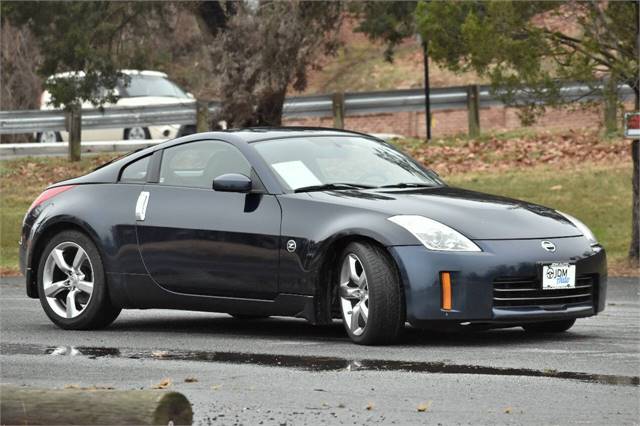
610 106
73 123
473 107
202 116
337 102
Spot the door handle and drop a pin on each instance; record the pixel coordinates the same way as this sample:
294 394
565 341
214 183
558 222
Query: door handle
141 205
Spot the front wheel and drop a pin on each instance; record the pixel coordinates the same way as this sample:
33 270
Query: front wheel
370 295
71 283
549 326
48 136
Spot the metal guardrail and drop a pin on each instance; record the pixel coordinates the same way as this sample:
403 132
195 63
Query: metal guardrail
361 103
18 150
413 100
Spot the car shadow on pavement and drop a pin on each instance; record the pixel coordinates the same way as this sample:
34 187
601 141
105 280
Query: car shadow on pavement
302 331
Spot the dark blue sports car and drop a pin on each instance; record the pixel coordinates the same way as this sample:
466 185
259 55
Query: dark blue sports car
311 223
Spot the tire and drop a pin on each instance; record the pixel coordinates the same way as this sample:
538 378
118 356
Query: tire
549 326
98 311
379 295
248 317
135 133
49 136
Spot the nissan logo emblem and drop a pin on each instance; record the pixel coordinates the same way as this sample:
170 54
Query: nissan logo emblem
291 246
548 246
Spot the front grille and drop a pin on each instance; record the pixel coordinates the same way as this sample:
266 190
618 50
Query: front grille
516 292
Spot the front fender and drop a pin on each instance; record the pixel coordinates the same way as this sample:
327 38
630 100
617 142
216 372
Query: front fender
315 228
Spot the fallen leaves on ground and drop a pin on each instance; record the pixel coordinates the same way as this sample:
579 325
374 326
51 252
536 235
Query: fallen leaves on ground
566 149
216 387
164 384
424 406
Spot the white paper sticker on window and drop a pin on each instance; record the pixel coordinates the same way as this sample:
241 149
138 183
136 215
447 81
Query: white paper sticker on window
296 174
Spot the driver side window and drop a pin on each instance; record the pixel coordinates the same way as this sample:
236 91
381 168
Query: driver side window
196 164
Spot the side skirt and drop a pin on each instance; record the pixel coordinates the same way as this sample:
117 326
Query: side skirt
133 291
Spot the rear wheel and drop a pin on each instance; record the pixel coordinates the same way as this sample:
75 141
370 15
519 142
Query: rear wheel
71 283
370 295
549 326
137 133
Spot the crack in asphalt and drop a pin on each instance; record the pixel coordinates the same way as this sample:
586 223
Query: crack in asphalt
311 363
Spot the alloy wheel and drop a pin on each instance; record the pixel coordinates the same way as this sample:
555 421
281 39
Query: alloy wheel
68 280
354 294
48 136
137 133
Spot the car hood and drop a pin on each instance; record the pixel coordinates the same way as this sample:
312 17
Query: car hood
476 215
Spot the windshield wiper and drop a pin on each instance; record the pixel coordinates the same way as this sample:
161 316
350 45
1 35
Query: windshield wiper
407 185
335 185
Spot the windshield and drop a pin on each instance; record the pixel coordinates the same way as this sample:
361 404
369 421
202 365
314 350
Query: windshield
144 85
345 160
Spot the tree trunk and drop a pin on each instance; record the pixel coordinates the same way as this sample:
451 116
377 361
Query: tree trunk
269 110
202 116
337 107
473 110
634 248
31 406
73 123
611 106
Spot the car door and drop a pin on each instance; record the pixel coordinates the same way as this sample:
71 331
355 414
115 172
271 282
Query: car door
199 241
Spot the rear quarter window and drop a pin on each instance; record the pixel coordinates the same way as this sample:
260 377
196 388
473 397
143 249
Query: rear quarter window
136 171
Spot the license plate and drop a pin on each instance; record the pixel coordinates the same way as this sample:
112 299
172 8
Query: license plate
558 275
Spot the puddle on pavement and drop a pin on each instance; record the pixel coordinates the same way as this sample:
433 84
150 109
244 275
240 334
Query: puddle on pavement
312 363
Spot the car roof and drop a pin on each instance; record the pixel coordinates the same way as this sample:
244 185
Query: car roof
254 134
108 173
148 73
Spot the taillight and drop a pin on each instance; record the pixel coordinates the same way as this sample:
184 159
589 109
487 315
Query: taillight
48 194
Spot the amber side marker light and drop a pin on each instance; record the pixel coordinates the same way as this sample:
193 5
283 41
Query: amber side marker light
445 282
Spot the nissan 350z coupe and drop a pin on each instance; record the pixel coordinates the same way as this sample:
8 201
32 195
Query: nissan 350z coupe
310 223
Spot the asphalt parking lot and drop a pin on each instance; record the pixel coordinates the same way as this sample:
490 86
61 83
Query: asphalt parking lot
281 370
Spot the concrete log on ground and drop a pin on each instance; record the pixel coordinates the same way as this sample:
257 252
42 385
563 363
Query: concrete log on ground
31 406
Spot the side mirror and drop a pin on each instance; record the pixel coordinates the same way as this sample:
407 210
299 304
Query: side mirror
232 182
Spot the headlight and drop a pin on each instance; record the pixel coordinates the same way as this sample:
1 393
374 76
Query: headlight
581 227
434 235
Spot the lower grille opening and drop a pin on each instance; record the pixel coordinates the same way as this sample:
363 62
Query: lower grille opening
516 292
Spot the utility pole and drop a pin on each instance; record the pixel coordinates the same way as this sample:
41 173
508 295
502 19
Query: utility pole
427 88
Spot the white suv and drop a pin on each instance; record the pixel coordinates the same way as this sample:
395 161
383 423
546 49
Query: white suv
145 88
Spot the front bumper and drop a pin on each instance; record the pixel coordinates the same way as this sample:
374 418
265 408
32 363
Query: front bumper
474 275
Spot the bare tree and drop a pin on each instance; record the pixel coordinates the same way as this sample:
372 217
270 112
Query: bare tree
263 48
20 85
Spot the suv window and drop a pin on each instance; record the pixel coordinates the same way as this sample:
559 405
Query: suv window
136 171
196 164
